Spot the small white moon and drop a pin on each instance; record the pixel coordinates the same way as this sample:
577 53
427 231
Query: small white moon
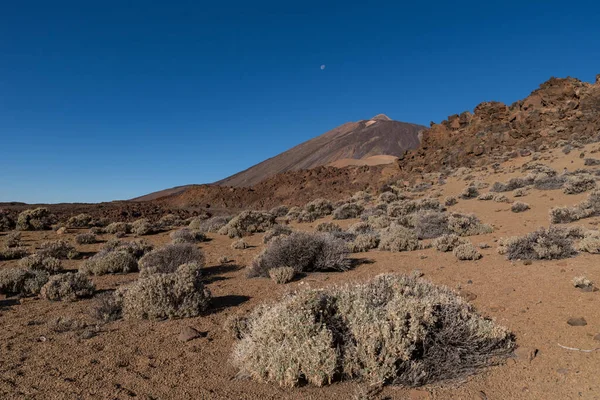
322 67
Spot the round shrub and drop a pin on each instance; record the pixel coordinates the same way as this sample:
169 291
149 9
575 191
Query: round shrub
466 251
168 258
518 207
347 211
180 294
80 221
398 238
58 249
37 219
39 262
112 262
186 235
393 329
303 251
364 242
282 275
68 287
328 227
23 282
275 231
248 222
86 238
448 242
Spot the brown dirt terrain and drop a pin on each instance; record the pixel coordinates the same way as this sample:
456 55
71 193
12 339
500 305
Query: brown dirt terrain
144 359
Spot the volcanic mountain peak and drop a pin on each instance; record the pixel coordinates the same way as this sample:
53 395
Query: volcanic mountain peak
381 117
380 136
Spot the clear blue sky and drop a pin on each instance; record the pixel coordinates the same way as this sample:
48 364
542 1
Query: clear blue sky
104 100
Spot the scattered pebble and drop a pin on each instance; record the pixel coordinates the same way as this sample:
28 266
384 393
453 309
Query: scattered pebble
577 321
188 333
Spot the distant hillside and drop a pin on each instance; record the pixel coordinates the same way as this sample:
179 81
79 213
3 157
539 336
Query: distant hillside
353 140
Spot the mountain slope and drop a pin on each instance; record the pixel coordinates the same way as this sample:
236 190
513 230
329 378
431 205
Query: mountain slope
353 140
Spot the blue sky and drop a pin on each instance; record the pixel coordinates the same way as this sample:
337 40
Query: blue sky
115 99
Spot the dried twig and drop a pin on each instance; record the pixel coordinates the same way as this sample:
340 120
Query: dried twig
576 349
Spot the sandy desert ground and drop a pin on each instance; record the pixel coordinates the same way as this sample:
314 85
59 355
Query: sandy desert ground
145 359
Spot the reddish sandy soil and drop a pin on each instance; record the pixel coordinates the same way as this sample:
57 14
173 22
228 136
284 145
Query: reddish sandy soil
144 359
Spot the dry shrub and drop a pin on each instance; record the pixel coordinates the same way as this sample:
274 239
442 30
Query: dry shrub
430 224
280 211
168 258
303 251
450 201
486 196
236 326
143 227
80 221
185 235
86 238
379 222
58 249
248 222
564 214
239 244
112 262
519 192
282 275
589 245
107 307
500 198
7 223
63 324
319 207
328 227
466 251
275 231
469 192
41 263
118 228
347 211
209 225
591 162
404 208
180 294
137 248
306 216
23 282
364 242
448 242
12 239
579 184
587 208
361 196
393 329
68 287
169 220
387 197
518 207
37 219
293 213
360 227
512 184
13 253
548 182
549 244
398 238
467 225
